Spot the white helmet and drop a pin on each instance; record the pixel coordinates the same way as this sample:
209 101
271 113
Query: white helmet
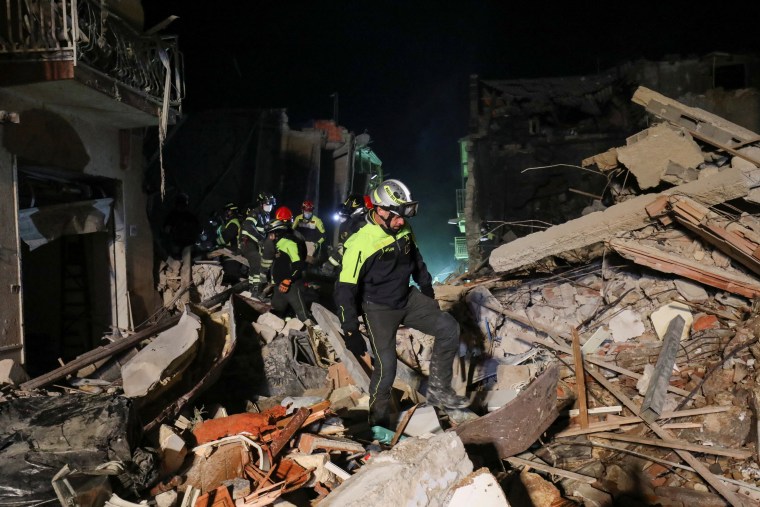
395 197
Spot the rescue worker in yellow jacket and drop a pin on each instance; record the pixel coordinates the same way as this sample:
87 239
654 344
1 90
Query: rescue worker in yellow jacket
312 229
283 260
377 264
352 217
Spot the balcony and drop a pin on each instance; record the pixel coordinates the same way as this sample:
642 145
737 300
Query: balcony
76 54
460 248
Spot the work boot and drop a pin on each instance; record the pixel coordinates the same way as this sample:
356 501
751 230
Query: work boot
380 413
439 391
445 398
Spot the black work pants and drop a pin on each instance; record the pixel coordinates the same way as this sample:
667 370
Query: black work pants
421 313
252 253
299 298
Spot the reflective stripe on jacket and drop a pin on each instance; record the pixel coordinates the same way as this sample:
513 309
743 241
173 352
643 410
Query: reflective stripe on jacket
377 266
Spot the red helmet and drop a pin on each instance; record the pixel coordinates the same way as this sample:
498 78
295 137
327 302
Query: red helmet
307 206
283 213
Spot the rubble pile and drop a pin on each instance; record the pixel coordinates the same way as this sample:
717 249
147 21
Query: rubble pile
653 298
611 360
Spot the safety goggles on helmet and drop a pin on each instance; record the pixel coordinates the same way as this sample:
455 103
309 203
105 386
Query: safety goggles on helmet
405 210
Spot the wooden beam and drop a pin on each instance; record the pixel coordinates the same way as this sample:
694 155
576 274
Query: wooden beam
626 421
676 444
580 380
552 470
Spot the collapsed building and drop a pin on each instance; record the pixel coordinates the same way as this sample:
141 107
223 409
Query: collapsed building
520 159
634 322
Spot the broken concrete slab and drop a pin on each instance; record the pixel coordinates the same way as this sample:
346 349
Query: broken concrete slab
12 373
602 226
732 281
430 468
169 353
330 324
271 320
267 333
173 449
650 154
701 124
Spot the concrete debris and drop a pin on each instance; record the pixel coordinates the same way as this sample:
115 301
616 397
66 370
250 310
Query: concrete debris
12 373
168 354
431 468
623 371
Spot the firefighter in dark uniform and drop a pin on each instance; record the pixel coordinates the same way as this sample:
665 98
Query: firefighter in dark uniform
227 236
352 218
252 236
283 259
312 229
378 261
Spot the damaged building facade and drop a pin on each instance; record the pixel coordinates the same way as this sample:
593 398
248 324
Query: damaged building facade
79 82
520 161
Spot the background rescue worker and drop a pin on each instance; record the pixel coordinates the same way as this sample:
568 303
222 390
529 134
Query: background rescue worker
227 236
252 235
284 255
312 229
377 262
352 216
283 214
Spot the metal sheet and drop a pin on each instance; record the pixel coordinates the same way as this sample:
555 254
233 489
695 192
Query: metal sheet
515 426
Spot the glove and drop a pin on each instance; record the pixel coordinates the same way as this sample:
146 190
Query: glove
285 285
328 269
355 342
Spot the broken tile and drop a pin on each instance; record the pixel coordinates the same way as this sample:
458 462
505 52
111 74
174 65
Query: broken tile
424 421
626 325
662 316
704 321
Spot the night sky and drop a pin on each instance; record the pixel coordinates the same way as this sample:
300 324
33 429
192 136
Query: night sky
401 68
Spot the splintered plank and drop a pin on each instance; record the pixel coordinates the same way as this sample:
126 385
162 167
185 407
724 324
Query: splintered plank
580 380
668 263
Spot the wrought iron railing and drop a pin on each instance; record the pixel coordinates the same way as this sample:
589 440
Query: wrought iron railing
84 31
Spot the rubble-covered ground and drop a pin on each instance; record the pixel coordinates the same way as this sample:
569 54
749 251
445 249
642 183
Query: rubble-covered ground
611 360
